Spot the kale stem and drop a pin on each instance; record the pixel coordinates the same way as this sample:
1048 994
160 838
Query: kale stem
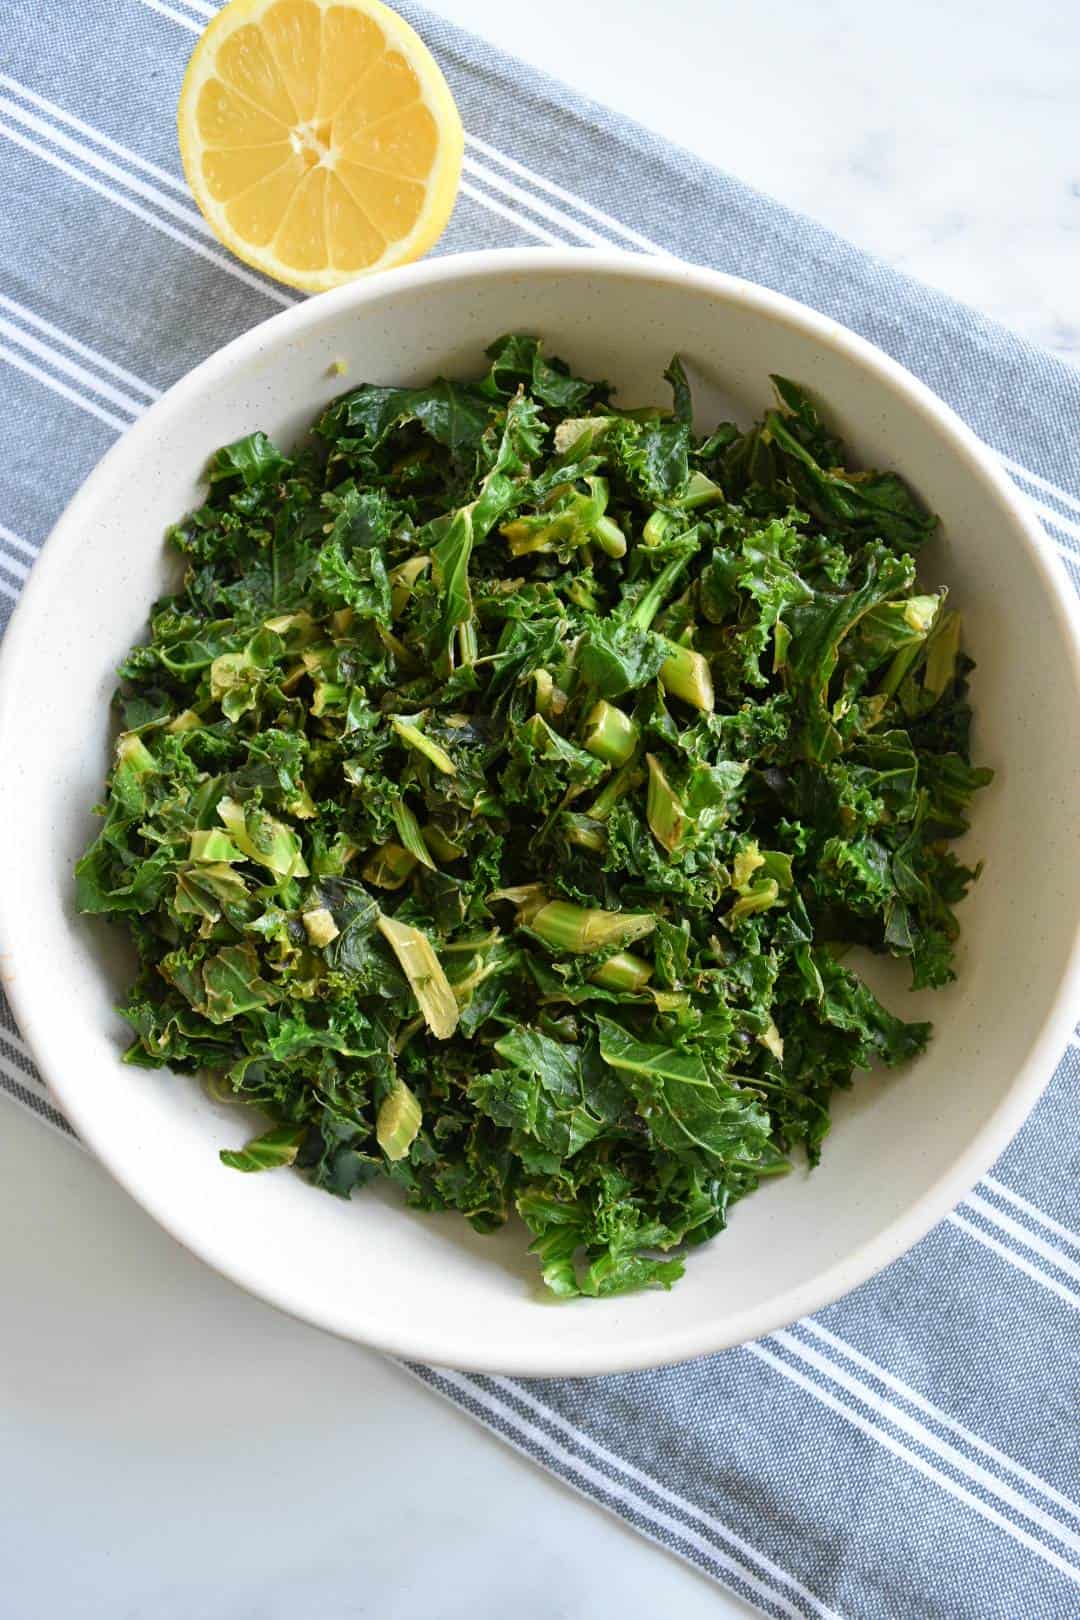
655 597
686 674
612 735
623 971
663 811
580 929
613 790
466 642
581 832
610 537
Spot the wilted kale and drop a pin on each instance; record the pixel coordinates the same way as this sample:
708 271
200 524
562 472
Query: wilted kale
497 795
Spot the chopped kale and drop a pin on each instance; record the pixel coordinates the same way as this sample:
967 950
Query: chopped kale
496 796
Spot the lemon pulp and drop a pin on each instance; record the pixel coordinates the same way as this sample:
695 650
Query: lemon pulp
319 138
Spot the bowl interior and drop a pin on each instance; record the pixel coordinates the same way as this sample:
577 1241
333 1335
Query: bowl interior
903 1146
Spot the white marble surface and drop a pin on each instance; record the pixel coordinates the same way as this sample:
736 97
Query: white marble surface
171 1450
943 135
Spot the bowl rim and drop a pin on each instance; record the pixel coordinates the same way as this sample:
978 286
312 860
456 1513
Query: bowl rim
421 1341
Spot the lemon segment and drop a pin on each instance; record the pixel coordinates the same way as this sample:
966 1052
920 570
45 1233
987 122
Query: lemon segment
319 138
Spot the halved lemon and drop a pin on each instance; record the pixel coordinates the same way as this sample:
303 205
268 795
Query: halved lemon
319 138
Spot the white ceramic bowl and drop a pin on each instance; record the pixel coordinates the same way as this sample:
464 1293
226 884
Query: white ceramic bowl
904 1147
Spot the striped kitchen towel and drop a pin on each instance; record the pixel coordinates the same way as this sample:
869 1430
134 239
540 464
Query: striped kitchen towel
913 1451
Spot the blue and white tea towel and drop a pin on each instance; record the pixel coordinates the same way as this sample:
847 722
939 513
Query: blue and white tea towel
914 1451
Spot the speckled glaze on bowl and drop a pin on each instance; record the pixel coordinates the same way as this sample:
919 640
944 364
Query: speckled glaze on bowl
904 1148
